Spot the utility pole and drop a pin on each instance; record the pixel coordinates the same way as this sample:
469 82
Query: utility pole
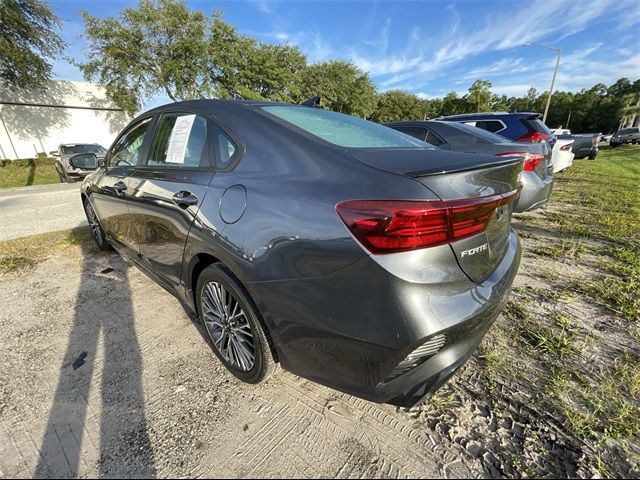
553 79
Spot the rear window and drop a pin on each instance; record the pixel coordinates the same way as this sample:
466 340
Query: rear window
343 130
482 135
536 125
629 130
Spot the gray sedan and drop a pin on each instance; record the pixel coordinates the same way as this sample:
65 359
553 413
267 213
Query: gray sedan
537 171
351 254
66 171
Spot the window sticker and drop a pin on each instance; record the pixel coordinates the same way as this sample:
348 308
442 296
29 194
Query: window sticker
179 138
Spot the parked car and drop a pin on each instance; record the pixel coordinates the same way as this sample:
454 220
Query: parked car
537 177
584 144
605 139
517 126
68 173
354 255
562 157
625 135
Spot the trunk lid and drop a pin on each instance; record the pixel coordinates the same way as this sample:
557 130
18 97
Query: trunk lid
453 176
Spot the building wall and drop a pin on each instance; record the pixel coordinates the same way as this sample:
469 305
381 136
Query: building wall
66 112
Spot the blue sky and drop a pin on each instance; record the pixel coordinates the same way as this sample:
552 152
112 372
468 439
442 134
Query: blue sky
427 47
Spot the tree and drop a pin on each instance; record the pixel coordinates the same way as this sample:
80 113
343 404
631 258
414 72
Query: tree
163 47
479 95
395 105
451 104
28 42
342 86
155 48
243 68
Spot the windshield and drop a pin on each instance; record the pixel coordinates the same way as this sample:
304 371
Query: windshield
343 130
82 148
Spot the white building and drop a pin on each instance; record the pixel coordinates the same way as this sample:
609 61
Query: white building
64 112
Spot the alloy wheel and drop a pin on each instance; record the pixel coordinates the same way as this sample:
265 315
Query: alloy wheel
228 326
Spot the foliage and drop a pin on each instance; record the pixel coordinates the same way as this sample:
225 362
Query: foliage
479 95
28 42
243 68
342 86
158 47
396 105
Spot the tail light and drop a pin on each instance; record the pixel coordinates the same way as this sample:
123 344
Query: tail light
388 226
531 160
566 148
534 137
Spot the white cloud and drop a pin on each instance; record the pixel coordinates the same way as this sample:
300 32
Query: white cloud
500 32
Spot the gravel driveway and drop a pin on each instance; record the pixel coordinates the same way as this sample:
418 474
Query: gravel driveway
32 210
95 381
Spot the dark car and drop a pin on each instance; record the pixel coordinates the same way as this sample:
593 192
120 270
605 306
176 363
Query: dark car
584 144
354 255
537 170
517 126
67 172
625 135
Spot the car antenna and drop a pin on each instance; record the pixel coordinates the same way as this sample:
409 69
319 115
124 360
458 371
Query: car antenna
313 102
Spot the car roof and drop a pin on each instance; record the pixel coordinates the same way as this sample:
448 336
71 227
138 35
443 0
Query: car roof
488 114
207 103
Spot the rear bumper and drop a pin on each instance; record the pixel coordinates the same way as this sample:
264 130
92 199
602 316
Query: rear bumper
535 192
584 152
350 329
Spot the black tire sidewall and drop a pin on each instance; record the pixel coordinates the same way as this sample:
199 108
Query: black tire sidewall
218 273
104 245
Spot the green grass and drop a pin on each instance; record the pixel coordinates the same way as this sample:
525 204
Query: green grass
603 195
22 173
26 252
602 199
565 249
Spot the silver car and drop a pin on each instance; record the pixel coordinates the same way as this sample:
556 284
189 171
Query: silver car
67 172
537 170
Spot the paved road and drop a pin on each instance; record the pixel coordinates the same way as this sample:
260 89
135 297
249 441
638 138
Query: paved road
46 208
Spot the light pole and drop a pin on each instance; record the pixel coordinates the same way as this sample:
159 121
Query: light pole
553 80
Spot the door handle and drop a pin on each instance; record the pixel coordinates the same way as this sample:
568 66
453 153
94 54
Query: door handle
184 199
120 186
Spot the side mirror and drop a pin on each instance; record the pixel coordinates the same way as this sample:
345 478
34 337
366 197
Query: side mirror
84 161
54 153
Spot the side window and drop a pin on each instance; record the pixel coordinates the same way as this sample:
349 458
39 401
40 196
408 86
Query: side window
434 139
128 150
493 126
225 147
416 132
180 140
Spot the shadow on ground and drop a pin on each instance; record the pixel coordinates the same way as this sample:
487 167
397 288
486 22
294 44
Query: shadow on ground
99 331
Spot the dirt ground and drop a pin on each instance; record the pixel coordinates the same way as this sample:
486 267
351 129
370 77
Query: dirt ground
102 373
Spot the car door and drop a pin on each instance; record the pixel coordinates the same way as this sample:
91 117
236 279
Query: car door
112 194
168 189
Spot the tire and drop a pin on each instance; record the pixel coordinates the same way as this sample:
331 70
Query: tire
228 326
62 175
94 224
